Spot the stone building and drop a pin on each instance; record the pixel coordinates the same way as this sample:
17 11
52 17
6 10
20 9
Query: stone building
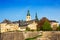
33 26
54 24
7 25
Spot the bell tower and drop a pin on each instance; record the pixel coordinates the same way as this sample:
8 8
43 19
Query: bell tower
28 17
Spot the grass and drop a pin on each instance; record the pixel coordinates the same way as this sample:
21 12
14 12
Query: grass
33 38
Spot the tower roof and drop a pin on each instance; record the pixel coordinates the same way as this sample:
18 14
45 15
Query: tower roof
28 13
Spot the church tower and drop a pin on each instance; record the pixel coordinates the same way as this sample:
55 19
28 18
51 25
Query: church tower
28 17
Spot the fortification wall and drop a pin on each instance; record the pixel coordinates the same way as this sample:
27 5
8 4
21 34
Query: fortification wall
46 35
12 36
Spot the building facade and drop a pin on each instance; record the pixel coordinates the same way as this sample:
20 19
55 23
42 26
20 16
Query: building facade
5 27
33 26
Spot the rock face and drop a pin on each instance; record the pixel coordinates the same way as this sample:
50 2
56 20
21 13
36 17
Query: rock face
12 36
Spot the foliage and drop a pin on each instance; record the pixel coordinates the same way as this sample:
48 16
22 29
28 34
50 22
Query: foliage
32 30
29 39
41 22
46 26
19 23
33 38
38 29
10 31
58 28
27 29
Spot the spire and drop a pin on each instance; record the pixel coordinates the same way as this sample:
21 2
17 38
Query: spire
28 13
28 17
36 18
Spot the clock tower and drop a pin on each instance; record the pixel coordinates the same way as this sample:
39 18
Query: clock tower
28 17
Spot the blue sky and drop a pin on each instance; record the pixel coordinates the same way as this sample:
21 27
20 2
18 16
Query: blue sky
17 9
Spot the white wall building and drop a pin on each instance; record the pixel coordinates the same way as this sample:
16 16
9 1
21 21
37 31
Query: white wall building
8 27
33 26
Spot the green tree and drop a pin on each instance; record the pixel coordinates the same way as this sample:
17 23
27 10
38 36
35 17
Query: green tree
58 28
41 22
27 29
46 26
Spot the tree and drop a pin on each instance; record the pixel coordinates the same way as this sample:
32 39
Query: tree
27 29
46 26
58 28
38 29
19 23
41 22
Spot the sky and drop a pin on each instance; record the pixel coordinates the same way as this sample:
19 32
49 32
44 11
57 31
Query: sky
17 9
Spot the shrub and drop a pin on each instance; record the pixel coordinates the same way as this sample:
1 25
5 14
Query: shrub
27 29
32 30
58 28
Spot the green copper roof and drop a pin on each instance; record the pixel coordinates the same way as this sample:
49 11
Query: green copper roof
28 13
36 17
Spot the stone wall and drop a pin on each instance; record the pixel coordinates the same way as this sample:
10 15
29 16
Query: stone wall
46 35
50 35
30 34
12 36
